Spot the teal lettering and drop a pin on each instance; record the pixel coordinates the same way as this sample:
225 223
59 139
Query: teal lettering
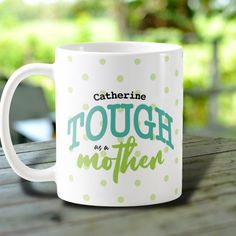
72 128
113 108
166 127
149 124
88 123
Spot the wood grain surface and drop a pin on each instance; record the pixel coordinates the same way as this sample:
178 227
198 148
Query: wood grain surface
207 206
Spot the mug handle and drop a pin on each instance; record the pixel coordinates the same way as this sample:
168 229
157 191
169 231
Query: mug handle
17 165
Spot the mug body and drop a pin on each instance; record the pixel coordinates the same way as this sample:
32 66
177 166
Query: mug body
119 123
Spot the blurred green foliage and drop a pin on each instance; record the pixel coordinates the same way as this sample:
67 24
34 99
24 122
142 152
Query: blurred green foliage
30 33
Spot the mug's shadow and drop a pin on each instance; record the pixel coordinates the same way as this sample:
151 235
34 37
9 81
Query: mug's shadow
194 170
45 190
39 190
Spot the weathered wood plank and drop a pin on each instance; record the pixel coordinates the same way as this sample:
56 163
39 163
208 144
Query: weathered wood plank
220 163
36 157
8 176
219 167
51 213
226 229
15 194
200 146
36 146
31 147
196 190
209 188
209 146
207 207
156 220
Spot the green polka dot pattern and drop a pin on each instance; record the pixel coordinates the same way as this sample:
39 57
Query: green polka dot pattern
120 199
102 61
137 61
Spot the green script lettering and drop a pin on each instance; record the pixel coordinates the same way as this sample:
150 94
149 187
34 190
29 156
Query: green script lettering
123 162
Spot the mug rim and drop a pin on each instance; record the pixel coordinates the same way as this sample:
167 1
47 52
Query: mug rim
119 48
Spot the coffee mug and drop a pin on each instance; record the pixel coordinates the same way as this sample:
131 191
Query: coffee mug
119 120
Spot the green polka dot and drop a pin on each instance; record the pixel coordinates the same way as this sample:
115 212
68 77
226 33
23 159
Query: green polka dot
176 73
102 92
69 58
102 61
176 131
137 92
137 61
85 137
166 90
153 106
103 183
103 153
101 123
153 197
71 178
120 109
153 76
137 153
120 140
176 191
137 182
85 77
166 149
166 58
120 199
166 178
176 102
154 137
176 160
86 197
165 120
120 78
85 107
70 90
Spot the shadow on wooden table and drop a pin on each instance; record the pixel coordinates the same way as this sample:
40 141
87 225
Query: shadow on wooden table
39 190
45 190
194 170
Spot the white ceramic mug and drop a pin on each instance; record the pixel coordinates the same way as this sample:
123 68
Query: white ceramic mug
118 123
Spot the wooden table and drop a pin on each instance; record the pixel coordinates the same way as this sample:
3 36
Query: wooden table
207 206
